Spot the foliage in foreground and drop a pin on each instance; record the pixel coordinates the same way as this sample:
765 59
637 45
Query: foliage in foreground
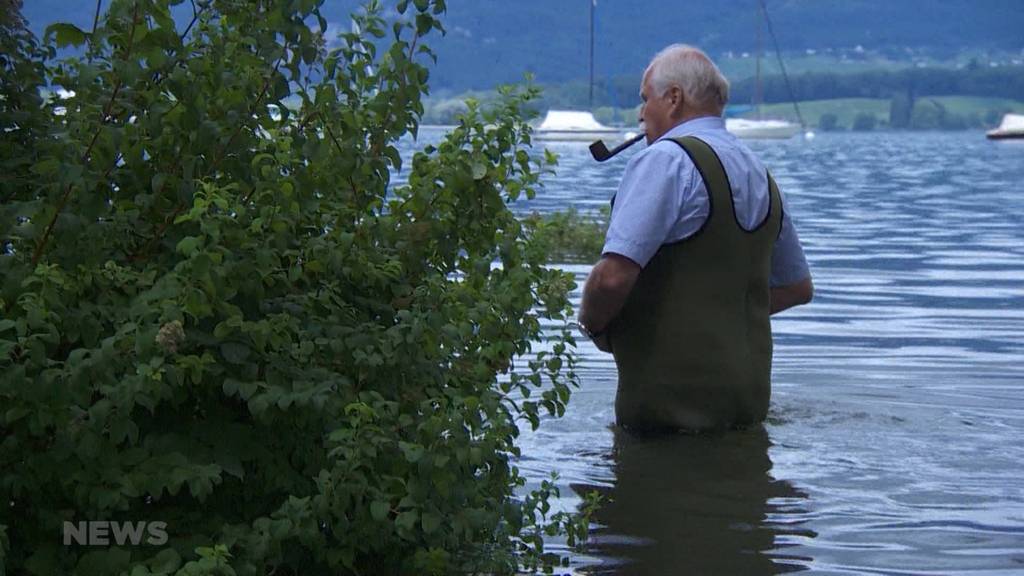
216 313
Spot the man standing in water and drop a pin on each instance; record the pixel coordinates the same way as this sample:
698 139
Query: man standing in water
700 251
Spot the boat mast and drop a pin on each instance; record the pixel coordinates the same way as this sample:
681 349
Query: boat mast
758 89
778 56
591 100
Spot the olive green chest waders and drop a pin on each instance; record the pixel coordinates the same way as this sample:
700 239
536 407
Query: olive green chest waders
693 343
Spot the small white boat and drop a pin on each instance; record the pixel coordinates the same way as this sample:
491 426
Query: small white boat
754 129
1012 126
573 126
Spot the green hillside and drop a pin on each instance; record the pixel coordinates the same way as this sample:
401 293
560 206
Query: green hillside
950 112
494 41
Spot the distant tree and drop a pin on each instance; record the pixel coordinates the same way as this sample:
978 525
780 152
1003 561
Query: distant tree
445 112
993 117
953 122
928 115
828 122
865 122
606 115
900 107
1001 82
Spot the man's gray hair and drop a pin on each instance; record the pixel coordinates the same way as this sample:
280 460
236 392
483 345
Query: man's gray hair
695 74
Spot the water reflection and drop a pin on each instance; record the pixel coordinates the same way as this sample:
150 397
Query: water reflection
694 504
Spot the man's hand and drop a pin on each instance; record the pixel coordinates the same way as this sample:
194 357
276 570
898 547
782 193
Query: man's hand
605 292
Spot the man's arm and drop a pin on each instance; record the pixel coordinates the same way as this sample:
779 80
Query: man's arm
646 208
605 292
785 297
791 283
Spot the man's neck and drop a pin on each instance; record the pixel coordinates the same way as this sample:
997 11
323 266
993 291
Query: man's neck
694 114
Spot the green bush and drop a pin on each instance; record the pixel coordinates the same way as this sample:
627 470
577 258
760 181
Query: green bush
217 313
571 237
901 108
865 122
928 114
445 112
828 122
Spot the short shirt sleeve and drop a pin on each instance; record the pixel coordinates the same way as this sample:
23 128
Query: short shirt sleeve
648 203
789 265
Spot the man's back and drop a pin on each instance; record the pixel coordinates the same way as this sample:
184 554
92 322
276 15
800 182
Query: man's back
662 199
693 342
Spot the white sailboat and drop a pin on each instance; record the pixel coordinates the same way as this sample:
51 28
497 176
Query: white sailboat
573 126
762 129
577 125
759 127
1012 126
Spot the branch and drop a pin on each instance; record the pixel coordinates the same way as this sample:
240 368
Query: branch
96 18
159 75
263 92
38 253
220 156
334 139
195 16
378 143
301 126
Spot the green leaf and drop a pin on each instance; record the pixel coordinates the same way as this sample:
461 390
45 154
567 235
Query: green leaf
424 22
122 430
392 154
407 520
235 352
259 404
223 330
158 182
188 245
66 34
44 561
165 562
413 452
47 167
479 170
103 562
379 510
15 414
431 522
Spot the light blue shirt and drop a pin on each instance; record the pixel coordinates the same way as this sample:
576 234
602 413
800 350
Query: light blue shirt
662 199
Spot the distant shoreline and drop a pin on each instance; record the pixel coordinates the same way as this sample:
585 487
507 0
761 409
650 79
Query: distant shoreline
926 113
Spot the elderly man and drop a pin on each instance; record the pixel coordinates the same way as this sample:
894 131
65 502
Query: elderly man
700 251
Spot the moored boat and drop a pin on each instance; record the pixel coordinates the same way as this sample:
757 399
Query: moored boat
759 127
573 125
1012 126
747 128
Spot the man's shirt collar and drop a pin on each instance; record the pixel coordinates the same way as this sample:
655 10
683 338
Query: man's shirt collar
695 125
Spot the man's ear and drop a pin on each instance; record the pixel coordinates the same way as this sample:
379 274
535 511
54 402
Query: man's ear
677 97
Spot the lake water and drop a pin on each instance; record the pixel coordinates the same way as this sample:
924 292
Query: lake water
895 439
